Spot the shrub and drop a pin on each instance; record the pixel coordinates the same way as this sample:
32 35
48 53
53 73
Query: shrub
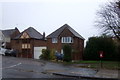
67 53
52 54
96 44
45 54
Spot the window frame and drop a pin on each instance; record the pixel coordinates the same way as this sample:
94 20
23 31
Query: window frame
26 46
67 40
54 40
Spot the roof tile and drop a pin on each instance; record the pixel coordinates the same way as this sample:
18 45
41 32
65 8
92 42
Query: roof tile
32 33
58 31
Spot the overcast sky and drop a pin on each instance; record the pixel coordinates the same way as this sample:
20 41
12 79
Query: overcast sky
48 15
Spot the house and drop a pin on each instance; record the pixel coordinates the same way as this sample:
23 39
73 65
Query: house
8 36
66 35
29 43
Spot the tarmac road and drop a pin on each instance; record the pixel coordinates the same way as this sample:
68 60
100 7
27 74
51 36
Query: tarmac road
13 68
23 68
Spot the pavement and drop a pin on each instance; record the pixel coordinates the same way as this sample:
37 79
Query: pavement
88 73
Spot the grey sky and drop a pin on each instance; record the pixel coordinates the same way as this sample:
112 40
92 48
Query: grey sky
47 16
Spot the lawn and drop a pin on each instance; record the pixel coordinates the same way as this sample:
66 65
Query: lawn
97 64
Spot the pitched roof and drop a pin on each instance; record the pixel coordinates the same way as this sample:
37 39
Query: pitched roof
58 32
9 32
32 33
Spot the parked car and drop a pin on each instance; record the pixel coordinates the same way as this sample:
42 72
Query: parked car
59 56
2 51
11 52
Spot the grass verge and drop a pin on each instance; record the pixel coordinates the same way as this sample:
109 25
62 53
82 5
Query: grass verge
112 65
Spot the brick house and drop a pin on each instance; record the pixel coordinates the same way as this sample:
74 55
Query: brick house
29 43
66 35
8 36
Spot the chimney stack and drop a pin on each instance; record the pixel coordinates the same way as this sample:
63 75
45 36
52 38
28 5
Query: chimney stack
43 35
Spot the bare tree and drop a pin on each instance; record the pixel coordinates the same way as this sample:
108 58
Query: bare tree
109 19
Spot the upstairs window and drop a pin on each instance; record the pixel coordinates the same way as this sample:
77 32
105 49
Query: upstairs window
67 40
54 40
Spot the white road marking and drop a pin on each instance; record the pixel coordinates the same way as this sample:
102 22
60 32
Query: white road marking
11 66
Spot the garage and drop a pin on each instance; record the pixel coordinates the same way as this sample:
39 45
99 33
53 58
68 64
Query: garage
38 51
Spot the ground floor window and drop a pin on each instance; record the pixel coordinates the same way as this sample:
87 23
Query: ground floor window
25 46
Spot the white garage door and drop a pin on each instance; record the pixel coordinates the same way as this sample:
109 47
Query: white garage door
38 52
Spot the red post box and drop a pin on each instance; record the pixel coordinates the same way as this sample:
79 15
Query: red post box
101 54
